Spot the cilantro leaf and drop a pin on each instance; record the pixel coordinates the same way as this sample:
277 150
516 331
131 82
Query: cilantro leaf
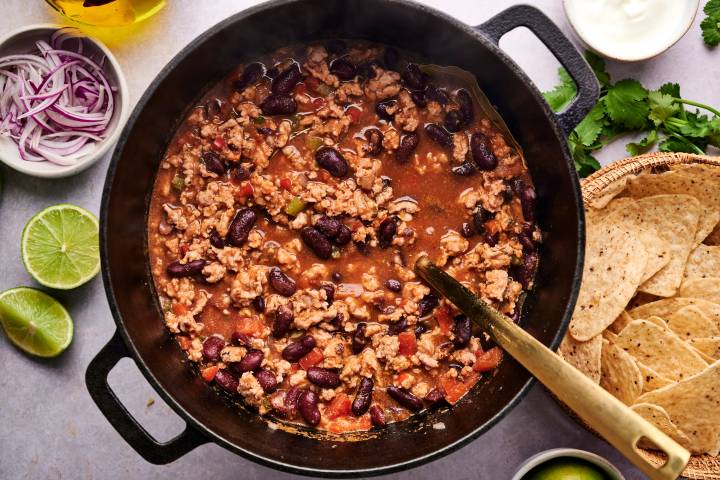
712 8
672 89
563 93
636 148
662 107
700 126
710 27
597 64
672 144
626 103
588 130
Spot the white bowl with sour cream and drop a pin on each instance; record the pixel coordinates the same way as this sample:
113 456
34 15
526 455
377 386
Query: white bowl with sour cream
630 30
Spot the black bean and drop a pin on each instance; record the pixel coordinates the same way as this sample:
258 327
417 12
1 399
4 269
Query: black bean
265 131
226 380
338 321
437 94
467 230
286 80
282 284
439 135
329 292
308 407
363 247
419 98
413 77
278 105
212 346
323 377
317 242
343 69
216 240
374 138
336 276
344 235
283 318
420 329
397 327
462 329
296 350
480 152
434 396
466 105
526 242
491 238
336 46
391 58
393 285
267 380
213 163
405 398
359 340
250 75
427 304
377 416
464 169
386 231
272 72
240 173
240 227
382 109
291 400
408 144
480 216
453 121
251 361
259 304
239 338
363 397
328 226
332 161
178 270
366 70
526 271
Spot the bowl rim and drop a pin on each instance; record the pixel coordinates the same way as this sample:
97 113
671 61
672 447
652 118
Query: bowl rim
547 455
123 102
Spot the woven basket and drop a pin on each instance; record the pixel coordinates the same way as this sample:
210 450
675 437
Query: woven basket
700 467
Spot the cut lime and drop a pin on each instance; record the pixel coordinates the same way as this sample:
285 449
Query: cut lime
60 246
565 469
35 322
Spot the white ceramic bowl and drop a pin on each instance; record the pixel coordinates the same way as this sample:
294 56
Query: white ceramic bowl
22 40
542 457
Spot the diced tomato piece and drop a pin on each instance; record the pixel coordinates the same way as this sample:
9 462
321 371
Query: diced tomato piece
312 84
354 114
301 89
185 342
208 373
400 378
319 103
184 249
179 309
408 344
488 360
444 318
350 424
338 407
492 227
286 183
247 189
219 143
252 326
455 389
314 357
294 367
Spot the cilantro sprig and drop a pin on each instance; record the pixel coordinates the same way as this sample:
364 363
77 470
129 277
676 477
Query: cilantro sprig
627 107
710 25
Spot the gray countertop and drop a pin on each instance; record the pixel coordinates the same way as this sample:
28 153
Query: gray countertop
49 426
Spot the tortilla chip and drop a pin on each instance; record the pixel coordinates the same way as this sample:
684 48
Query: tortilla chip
704 261
614 263
660 349
657 321
709 346
641 298
705 288
690 322
619 374
666 307
660 418
609 192
585 356
676 220
620 322
651 379
701 183
610 336
694 406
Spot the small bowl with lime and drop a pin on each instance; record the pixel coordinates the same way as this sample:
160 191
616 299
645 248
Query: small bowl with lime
567 464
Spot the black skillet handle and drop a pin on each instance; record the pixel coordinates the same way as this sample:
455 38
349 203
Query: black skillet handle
568 56
116 413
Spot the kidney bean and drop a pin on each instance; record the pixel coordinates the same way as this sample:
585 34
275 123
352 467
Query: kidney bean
240 339
526 271
282 284
377 416
453 121
343 69
491 238
382 109
363 397
317 242
344 235
329 292
336 276
386 231
283 318
336 46
226 380
464 169
434 396
322 377
212 346
328 226
408 144
308 407
420 329
419 98
272 72
439 135
480 152
296 350
527 198
216 240
480 215
178 270
393 285
286 80
332 161
436 94
427 304
291 400
465 101
251 361
359 340
250 75
397 327
526 242
374 138
240 173
278 105
267 380
240 227
213 163
405 398
258 304
462 328
391 58
413 77
466 230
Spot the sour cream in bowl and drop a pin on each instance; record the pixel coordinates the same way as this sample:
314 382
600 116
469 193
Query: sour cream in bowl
630 30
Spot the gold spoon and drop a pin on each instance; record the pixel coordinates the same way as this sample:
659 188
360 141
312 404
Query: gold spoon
607 415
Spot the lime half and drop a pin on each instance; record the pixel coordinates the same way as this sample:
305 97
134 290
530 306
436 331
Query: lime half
35 322
60 246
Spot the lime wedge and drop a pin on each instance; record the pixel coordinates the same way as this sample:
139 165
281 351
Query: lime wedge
35 322
60 246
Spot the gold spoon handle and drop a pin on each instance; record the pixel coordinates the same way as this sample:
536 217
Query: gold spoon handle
611 418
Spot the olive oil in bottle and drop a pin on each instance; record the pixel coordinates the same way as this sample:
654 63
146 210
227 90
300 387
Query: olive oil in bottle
107 13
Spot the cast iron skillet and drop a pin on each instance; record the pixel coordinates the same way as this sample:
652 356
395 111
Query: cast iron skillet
439 39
